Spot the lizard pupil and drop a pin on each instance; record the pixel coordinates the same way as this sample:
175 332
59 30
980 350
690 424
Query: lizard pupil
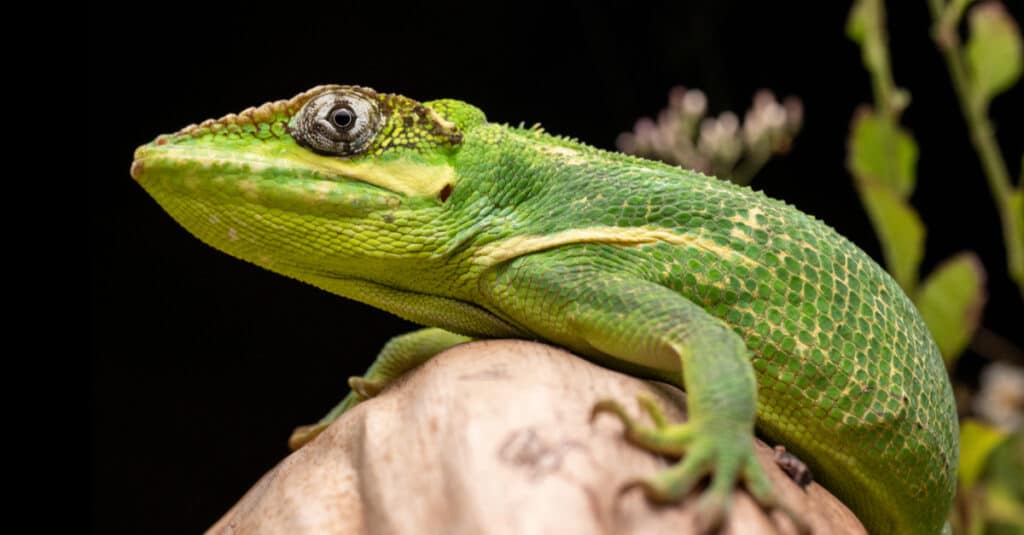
342 122
343 118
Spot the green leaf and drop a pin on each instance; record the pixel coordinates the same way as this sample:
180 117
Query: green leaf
899 230
881 151
993 52
856 22
977 440
950 301
1001 507
1005 467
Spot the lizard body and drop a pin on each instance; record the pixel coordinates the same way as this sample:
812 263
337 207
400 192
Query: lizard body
766 316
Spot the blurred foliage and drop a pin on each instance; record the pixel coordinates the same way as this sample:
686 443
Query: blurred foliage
1005 503
883 158
988 65
977 440
993 52
991 492
882 151
950 302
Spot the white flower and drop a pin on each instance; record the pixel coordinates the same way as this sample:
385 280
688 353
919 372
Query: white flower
1001 399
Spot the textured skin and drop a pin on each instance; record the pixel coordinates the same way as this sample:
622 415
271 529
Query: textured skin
489 230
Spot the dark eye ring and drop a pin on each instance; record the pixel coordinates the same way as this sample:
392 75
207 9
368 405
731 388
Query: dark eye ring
343 117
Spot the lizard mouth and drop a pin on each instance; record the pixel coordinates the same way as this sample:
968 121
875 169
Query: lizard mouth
276 176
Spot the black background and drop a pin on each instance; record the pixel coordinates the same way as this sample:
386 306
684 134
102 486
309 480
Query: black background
202 364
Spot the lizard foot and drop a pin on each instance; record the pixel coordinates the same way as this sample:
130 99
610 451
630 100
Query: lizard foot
719 449
304 434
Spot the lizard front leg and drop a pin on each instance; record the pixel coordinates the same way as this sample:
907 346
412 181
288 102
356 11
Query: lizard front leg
627 322
401 354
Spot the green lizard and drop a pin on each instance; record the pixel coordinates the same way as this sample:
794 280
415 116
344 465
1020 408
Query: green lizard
766 316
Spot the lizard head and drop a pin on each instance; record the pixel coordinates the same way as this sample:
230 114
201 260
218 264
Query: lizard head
334 173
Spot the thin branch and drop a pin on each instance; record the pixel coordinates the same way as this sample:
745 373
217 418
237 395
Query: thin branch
876 51
982 136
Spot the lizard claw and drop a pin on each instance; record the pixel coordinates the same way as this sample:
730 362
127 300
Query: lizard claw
611 407
634 484
715 449
653 411
711 511
304 434
614 407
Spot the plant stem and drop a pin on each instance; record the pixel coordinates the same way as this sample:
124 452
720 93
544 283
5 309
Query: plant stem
983 138
744 173
890 101
876 59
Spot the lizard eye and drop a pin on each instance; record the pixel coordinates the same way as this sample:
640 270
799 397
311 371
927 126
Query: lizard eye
342 123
